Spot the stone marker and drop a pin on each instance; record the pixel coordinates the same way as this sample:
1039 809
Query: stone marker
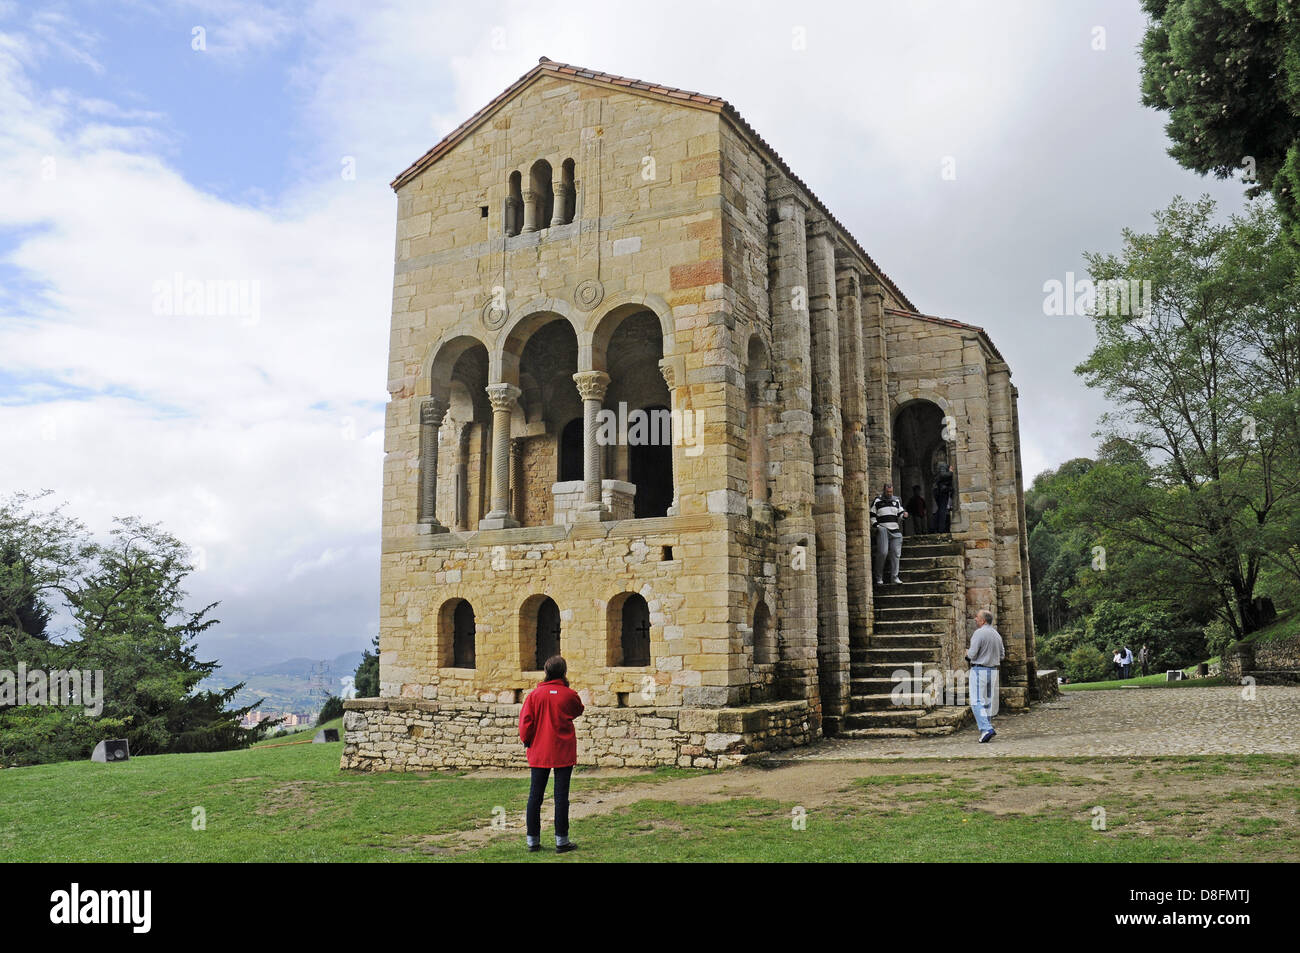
110 751
326 735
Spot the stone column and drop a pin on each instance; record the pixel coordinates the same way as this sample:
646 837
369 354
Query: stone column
462 478
1026 578
828 475
432 412
791 447
857 502
502 397
517 478
559 203
880 423
591 387
759 398
532 210
1006 531
512 213
666 369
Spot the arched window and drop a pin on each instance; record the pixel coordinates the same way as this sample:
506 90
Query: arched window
456 631
548 631
764 636
635 629
570 462
539 200
568 193
513 219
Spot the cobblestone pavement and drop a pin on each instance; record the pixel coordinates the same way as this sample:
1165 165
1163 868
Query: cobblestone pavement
1117 722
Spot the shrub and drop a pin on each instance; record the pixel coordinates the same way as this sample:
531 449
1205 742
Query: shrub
333 708
1088 664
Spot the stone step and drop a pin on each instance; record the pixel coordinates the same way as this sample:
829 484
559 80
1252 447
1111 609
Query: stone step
906 640
888 702
893 718
906 627
921 599
884 671
885 684
907 561
892 613
895 656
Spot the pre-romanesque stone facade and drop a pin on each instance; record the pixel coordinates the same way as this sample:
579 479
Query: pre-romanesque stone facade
644 388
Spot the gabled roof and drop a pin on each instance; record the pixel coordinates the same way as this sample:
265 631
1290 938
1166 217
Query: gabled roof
949 322
546 67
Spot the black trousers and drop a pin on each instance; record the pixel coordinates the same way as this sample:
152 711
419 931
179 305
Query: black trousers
538 790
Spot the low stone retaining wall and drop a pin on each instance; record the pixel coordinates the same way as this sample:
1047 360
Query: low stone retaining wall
397 734
1047 687
1276 662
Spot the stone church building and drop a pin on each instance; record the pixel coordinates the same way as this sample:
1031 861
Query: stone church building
644 387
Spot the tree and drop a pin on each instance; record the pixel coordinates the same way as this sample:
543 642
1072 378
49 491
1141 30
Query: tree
1204 377
366 680
1228 74
127 604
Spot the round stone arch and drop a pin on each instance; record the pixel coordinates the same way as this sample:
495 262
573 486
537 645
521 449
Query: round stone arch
503 359
441 357
600 325
901 403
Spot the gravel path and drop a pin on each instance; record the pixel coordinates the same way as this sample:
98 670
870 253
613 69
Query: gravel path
1118 722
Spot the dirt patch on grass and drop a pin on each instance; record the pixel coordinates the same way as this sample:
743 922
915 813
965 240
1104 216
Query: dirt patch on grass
1197 798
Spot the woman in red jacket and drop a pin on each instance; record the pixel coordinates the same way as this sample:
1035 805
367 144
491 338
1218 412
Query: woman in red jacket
546 729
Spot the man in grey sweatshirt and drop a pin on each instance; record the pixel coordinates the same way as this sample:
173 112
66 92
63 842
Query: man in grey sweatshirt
985 654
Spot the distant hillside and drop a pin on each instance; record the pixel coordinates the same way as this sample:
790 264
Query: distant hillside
294 685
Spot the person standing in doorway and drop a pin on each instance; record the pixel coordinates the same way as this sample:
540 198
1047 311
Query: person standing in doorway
887 511
985 655
943 489
916 508
546 729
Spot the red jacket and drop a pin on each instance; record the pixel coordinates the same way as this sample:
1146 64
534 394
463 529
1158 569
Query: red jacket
546 725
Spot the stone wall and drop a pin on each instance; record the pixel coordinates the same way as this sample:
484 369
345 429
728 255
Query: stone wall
1275 661
405 735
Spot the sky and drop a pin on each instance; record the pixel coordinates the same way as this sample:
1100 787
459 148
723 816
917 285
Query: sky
975 150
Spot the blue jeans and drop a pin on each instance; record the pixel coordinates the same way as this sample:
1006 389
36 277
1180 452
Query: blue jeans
536 792
982 683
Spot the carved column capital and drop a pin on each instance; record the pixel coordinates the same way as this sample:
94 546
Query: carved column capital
666 369
502 397
591 384
432 411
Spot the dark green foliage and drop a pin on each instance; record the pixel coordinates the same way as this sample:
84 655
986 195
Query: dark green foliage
333 708
366 680
127 604
1228 74
1088 664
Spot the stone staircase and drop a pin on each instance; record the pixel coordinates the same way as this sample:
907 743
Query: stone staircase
910 620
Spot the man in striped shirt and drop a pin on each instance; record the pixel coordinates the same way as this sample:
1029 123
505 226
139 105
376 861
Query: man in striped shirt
887 511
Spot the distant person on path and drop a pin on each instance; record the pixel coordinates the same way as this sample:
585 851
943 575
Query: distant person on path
546 729
1144 655
985 655
1126 662
916 508
942 499
1118 663
886 512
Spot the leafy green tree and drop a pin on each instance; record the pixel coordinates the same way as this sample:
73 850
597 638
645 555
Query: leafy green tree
127 604
1228 74
1195 376
1088 664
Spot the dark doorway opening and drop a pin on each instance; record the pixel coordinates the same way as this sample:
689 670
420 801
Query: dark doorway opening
571 451
636 631
650 466
463 630
548 631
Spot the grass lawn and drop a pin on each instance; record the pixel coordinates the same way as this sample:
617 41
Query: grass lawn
294 804
1144 681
